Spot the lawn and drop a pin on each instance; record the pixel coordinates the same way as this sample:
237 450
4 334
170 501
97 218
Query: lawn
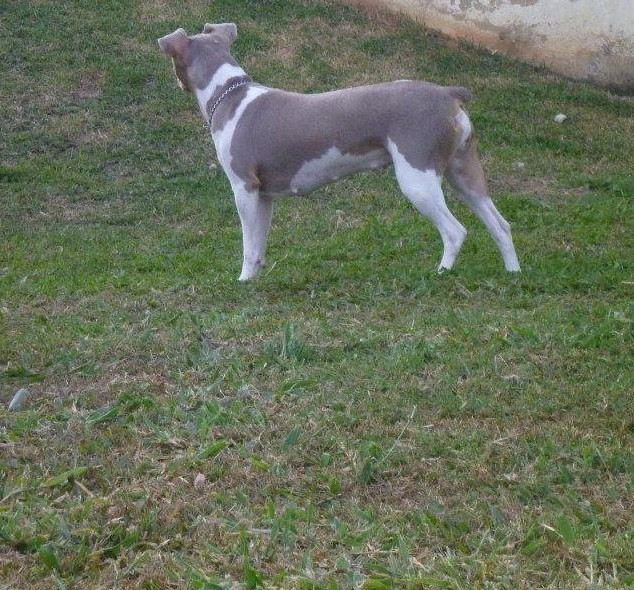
351 419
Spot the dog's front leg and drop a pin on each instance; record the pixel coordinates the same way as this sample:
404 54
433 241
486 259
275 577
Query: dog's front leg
255 211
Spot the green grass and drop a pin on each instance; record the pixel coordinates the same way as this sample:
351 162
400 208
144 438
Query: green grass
350 419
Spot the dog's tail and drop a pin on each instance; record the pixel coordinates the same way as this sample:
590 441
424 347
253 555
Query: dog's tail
462 95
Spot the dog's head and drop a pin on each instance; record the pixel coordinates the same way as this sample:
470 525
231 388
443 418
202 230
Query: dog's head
196 58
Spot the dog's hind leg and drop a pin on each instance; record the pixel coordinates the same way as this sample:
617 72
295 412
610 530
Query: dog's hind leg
423 188
465 174
255 211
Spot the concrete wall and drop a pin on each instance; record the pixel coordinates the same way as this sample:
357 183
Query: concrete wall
590 40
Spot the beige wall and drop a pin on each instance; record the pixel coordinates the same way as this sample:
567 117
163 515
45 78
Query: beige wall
586 39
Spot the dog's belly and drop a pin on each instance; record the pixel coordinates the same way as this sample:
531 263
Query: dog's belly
329 167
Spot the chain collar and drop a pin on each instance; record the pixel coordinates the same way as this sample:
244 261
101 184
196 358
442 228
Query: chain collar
225 93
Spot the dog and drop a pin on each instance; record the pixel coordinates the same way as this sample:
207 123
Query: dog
270 142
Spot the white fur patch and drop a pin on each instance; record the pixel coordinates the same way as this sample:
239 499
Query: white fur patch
410 177
465 126
221 76
222 138
333 165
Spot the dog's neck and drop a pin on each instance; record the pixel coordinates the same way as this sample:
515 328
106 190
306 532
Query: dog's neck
210 97
221 94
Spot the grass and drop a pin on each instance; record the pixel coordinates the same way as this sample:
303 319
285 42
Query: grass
351 419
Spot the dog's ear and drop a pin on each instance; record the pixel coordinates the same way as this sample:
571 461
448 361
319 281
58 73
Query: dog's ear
175 44
228 30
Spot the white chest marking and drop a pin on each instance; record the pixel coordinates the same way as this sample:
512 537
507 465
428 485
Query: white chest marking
222 138
333 165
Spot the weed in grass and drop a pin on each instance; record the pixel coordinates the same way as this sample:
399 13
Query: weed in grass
291 346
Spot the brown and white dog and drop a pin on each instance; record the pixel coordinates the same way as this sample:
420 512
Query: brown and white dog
271 142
